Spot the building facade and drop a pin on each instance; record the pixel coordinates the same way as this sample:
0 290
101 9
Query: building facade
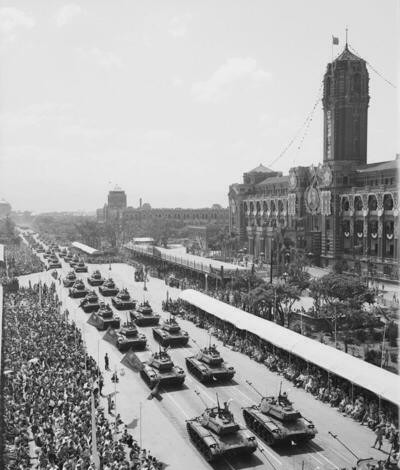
343 208
116 209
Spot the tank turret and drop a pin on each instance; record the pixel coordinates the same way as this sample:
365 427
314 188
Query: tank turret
160 370
128 337
78 290
171 334
216 434
276 421
208 366
95 279
90 303
143 315
104 318
123 301
108 288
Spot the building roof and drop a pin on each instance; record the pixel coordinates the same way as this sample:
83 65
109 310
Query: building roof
261 169
274 180
85 248
1 253
143 240
379 381
380 166
347 55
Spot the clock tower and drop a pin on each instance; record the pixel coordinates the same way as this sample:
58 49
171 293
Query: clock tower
345 103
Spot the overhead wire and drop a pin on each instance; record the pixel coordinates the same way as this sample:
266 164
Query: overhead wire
304 127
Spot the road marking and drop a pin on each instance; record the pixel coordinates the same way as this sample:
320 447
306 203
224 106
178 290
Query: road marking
269 452
315 458
339 454
176 404
323 456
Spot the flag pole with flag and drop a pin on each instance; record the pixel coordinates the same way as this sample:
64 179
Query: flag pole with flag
335 42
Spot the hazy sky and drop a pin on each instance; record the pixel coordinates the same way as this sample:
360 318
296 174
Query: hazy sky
174 100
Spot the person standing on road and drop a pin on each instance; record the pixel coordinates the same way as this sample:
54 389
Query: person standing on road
379 436
106 362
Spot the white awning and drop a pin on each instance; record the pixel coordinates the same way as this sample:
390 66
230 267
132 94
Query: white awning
86 249
1 253
379 381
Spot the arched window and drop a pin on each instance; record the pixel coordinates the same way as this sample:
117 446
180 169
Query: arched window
345 204
388 202
358 205
372 203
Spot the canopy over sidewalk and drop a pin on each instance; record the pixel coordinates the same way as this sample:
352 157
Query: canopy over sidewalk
197 263
86 249
379 381
2 253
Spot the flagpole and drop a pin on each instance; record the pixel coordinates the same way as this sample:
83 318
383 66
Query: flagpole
140 424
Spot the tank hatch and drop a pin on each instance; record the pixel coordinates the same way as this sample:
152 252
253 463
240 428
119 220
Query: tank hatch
220 420
210 356
280 408
161 361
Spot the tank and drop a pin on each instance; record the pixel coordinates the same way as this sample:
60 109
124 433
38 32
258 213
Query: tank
208 366
95 279
68 258
128 337
90 303
216 434
40 249
54 264
123 301
48 253
276 421
160 369
70 279
74 261
170 334
108 288
105 318
63 253
78 290
81 267
144 315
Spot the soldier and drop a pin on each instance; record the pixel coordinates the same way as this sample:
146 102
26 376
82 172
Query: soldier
379 436
106 362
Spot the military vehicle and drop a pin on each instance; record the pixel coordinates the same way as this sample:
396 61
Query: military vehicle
53 264
78 290
276 421
90 303
123 301
48 253
216 434
74 261
108 288
170 334
68 257
160 370
40 249
70 279
105 318
208 366
128 337
63 253
144 315
95 279
368 463
81 267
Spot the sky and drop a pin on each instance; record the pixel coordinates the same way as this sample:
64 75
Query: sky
174 100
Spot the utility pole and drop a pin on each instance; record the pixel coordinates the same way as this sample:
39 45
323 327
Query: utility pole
270 269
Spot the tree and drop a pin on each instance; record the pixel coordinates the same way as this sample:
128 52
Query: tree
297 274
278 298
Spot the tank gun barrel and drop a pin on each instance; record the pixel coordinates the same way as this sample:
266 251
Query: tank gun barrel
195 342
343 444
254 388
203 401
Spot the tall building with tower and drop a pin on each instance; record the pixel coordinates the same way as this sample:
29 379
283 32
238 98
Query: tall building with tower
343 208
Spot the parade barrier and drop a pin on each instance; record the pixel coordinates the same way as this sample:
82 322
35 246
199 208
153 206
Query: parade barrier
131 361
384 384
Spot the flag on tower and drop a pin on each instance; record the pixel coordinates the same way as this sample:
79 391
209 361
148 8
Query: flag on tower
335 41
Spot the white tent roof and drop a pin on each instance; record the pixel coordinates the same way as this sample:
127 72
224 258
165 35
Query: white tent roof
379 381
1 253
86 249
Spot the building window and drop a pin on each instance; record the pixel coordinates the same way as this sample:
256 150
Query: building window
327 245
328 224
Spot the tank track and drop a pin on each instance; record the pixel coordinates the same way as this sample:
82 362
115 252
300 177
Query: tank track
199 444
258 428
194 371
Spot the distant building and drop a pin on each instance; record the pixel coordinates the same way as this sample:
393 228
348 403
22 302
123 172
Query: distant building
345 207
116 209
5 208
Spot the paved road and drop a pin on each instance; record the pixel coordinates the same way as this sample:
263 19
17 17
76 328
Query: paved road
163 421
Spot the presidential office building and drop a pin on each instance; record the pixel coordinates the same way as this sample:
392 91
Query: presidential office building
343 208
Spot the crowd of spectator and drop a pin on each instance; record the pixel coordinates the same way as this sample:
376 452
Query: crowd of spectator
21 260
357 404
48 388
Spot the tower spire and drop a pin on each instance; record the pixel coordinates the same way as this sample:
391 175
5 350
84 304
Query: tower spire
347 32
